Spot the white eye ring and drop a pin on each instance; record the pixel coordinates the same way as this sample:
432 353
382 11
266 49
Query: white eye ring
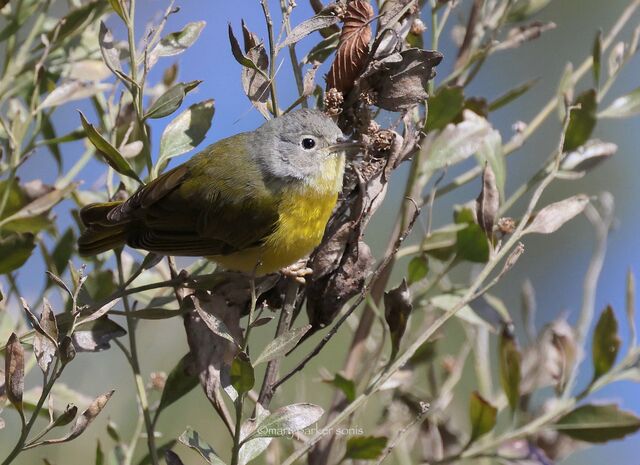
308 142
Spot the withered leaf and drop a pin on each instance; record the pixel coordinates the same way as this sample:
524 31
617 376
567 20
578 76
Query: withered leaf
282 344
587 156
44 345
254 82
84 420
305 28
402 83
212 352
549 360
397 308
215 324
14 371
488 202
353 47
110 54
553 216
95 335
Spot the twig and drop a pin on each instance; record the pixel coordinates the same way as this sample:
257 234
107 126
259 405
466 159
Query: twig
601 224
286 314
135 368
272 57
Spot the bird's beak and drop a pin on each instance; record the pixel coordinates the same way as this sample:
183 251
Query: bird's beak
350 147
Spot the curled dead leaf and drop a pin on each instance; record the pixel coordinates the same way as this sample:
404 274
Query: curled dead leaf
353 47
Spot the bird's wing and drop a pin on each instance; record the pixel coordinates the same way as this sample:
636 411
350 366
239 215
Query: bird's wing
214 204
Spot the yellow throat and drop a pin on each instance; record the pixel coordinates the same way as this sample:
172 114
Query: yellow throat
304 210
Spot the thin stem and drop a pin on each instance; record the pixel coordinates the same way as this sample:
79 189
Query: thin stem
135 368
137 91
271 373
272 57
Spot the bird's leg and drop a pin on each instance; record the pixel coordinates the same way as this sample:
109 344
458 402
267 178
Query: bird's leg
298 271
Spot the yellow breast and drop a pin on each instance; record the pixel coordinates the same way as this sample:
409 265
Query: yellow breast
304 210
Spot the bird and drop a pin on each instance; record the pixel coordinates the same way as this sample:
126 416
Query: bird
256 202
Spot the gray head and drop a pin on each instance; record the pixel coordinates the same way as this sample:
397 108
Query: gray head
295 146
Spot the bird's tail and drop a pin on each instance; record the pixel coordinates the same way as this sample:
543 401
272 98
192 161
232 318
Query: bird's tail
100 234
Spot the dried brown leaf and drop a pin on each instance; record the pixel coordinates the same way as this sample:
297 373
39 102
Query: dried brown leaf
400 79
44 345
353 48
254 83
14 371
84 420
488 202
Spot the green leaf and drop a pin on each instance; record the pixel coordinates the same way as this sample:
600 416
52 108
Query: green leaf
171 100
63 251
178 384
287 420
582 121
509 364
117 7
471 242
282 344
598 423
111 155
347 386
365 447
49 134
192 440
512 94
623 107
597 57
417 269
100 460
444 106
40 205
397 308
523 9
185 132
77 21
482 416
605 344
177 42
15 250
241 373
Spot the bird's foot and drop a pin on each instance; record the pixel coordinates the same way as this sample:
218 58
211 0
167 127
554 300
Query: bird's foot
298 271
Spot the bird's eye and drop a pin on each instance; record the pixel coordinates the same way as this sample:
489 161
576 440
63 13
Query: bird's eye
308 143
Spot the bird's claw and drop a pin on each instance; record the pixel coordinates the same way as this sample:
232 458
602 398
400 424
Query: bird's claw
298 271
